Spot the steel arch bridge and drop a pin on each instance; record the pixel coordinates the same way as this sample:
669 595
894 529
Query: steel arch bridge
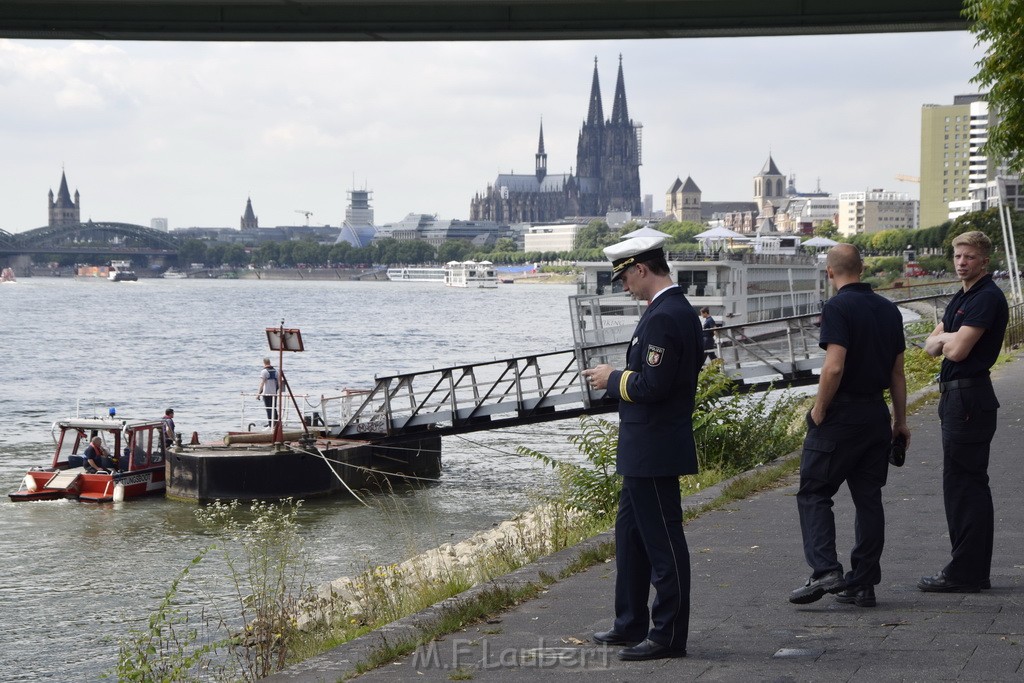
91 237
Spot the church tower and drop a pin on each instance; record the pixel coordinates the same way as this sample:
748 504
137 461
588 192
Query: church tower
64 212
769 187
591 141
249 219
542 158
621 163
608 155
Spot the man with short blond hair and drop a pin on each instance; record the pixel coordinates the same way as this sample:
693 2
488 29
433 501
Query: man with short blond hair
969 340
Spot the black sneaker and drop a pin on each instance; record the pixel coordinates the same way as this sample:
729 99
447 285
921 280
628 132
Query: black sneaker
815 589
862 596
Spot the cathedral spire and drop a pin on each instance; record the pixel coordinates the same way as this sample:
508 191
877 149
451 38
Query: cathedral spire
542 158
595 115
620 114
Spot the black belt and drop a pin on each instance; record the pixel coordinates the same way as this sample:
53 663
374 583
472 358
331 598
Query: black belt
964 383
847 397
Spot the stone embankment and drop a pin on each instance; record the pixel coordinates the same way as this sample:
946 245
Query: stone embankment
511 543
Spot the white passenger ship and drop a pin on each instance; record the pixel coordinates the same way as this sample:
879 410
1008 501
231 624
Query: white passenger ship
416 274
470 274
772 280
453 274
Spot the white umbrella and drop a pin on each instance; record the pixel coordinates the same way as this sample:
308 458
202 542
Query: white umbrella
820 242
645 232
717 233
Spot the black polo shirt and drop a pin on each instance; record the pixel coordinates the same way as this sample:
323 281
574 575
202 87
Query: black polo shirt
870 328
983 305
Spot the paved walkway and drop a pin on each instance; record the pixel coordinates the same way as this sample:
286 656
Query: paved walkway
746 558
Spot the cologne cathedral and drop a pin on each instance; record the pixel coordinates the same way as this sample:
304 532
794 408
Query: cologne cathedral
607 172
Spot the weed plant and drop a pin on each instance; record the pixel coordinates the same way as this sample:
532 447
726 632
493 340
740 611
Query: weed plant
733 433
267 566
177 645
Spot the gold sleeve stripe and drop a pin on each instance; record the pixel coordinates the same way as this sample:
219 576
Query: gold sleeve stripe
623 383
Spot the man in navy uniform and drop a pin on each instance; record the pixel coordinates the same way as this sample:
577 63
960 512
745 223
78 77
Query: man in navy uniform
850 431
969 339
656 394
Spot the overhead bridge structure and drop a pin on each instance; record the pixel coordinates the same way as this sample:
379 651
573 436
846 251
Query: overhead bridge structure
550 386
423 20
91 237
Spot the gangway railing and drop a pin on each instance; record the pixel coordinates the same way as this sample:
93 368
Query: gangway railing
550 386
463 398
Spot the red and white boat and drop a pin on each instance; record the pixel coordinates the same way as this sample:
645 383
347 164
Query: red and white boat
140 469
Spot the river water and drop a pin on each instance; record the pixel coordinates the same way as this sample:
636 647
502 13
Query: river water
77 577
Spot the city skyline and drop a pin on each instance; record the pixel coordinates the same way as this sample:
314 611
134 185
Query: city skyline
189 131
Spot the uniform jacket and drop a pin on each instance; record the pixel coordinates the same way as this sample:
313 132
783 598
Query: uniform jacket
656 390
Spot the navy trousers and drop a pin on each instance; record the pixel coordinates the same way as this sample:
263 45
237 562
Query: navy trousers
650 548
851 445
968 424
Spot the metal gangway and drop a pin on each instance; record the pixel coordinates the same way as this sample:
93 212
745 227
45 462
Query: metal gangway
549 386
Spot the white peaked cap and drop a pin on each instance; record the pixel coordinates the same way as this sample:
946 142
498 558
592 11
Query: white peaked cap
632 251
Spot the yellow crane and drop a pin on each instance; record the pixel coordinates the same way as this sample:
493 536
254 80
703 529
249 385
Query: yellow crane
305 213
908 178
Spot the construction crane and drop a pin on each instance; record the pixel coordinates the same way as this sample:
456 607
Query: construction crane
907 178
305 213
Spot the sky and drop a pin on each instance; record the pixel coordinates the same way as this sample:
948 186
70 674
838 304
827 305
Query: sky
189 131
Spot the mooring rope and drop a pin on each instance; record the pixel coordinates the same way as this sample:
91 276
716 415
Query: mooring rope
333 471
364 469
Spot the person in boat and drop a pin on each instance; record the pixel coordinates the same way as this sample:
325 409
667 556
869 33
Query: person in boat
96 456
77 459
268 391
168 427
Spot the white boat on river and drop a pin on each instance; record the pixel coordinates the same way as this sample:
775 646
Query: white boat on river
738 286
470 274
475 274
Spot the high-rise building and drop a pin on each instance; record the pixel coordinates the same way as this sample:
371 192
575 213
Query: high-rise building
874 211
951 161
158 224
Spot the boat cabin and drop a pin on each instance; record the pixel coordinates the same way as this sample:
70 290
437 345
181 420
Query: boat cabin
134 466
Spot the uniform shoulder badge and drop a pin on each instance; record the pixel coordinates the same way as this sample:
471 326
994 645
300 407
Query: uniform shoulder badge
654 355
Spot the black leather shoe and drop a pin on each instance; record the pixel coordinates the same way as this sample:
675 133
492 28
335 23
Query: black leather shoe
815 589
862 596
940 583
614 638
650 650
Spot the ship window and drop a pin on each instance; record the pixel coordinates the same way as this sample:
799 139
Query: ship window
693 282
140 449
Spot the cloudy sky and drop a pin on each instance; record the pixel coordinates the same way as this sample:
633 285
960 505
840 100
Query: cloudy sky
188 131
